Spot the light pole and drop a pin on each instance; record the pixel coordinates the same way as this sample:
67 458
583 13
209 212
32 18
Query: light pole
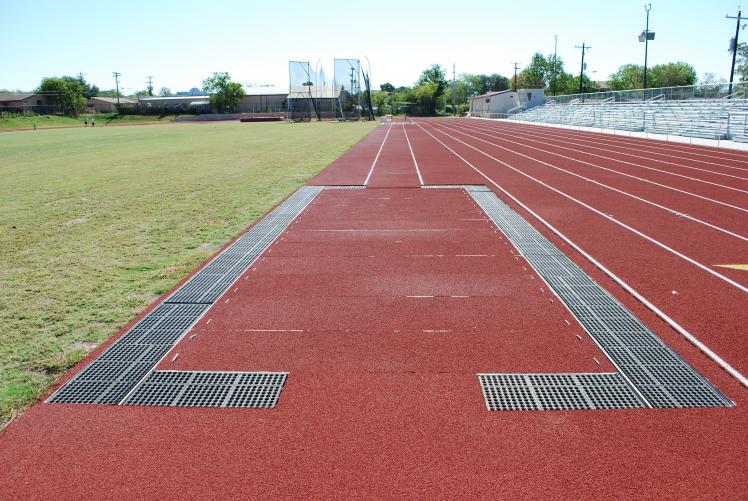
645 37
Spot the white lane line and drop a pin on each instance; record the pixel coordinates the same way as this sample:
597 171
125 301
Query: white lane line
608 217
413 156
672 323
618 160
376 159
716 173
609 169
723 154
644 200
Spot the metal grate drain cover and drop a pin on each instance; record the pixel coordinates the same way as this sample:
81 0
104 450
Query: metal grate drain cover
513 392
209 389
113 375
656 372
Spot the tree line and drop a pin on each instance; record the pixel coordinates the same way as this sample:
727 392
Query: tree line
69 94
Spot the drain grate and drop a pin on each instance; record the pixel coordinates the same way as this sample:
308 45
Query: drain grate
209 389
114 374
662 377
512 392
207 285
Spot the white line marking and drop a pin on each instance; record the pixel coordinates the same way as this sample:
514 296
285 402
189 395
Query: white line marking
619 172
419 296
413 156
654 169
631 195
273 330
672 323
641 147
609 218
376 159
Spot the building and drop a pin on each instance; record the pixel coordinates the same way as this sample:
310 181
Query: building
265 99
506 101
174 104
20 102
102 104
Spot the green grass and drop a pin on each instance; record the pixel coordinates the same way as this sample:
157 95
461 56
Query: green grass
95 224
15 122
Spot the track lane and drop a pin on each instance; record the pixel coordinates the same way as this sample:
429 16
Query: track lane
729 182
394 166
711 195
718 165
721 330
725 220
700 150
700 247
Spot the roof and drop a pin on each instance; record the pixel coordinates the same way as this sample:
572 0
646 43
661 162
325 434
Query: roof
16 96
266 90
170 98
113 100
490 94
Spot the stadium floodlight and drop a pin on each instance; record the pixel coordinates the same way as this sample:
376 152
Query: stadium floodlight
645 36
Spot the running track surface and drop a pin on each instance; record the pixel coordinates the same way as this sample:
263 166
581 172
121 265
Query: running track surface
384 303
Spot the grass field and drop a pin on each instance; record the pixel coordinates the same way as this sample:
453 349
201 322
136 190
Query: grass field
15 122
94 224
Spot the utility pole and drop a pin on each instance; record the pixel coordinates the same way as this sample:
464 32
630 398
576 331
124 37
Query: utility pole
734 47
454 88
555 64
149 87
516 65
584 48
116 76
647 38
80 76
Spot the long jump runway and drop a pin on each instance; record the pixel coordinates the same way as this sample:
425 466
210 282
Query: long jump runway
452 309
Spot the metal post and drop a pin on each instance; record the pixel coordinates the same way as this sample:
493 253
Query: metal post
116 83
584 48
647 7
734 50
555 63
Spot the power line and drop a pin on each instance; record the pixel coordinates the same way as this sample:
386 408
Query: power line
149 87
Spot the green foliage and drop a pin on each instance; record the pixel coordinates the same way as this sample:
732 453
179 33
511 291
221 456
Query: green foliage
534 76
108 93
224 94
481 84
67 93
430 88
164 92
741 63
672 75
387 87
628 76
631 76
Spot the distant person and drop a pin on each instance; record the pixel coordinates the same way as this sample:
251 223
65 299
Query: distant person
93 121
85 121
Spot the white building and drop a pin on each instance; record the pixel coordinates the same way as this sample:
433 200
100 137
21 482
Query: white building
506 101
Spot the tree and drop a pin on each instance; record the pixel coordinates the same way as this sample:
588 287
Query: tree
387 87
672 75
741 64
431 87
224 94
164 92
108 93
534 74
67 93
628 76
711 79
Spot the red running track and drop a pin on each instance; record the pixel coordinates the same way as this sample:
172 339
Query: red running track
383 304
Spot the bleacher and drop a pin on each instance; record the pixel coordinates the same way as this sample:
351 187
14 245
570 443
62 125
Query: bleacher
723 117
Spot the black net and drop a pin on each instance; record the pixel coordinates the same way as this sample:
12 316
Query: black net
347 89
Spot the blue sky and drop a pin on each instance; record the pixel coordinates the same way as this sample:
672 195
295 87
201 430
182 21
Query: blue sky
182 42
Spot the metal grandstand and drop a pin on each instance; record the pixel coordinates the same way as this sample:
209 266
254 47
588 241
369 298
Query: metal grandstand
704 111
